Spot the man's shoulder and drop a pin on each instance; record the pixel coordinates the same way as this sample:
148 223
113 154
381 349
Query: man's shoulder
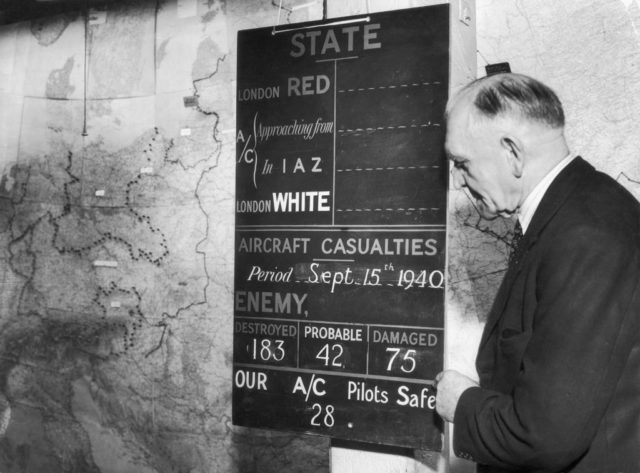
594 200
599 194
603 191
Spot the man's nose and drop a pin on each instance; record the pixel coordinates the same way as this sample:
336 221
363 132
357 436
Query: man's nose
457 179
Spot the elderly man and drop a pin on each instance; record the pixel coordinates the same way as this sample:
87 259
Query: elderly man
559 359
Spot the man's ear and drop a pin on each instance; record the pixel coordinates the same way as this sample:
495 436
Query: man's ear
514 152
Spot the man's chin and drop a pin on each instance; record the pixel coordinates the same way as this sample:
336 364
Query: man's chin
484 212
488 215
491 215
483 209
506 214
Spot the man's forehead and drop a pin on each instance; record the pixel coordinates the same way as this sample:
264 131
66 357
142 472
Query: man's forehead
454 146
458 125
461 107
462 99
465 122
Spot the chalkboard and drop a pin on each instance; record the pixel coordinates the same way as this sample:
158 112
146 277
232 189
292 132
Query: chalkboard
341 226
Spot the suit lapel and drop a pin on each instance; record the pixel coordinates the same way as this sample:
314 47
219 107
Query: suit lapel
554 198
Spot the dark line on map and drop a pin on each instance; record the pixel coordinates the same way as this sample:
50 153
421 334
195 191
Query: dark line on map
479 276
280 7
506 238
214 134
626 176
134 313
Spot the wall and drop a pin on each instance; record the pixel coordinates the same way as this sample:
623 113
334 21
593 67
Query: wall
116 223
116 231
590 53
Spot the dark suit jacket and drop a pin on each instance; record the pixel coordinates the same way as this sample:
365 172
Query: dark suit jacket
559 359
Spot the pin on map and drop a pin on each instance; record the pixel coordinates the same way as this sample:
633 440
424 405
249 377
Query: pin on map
100 193
105 264
97 16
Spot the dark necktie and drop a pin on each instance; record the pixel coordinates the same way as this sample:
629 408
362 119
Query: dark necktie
515 242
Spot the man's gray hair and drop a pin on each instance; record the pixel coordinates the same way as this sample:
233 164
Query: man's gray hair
504 93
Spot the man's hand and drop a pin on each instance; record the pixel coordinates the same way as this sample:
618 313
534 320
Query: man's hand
450 385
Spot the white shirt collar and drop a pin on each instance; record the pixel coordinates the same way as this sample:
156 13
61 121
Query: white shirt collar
530 204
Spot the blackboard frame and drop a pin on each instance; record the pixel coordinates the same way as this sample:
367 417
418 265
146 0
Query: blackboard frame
341 204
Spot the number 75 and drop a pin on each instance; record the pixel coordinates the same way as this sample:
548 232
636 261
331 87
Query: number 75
407 362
